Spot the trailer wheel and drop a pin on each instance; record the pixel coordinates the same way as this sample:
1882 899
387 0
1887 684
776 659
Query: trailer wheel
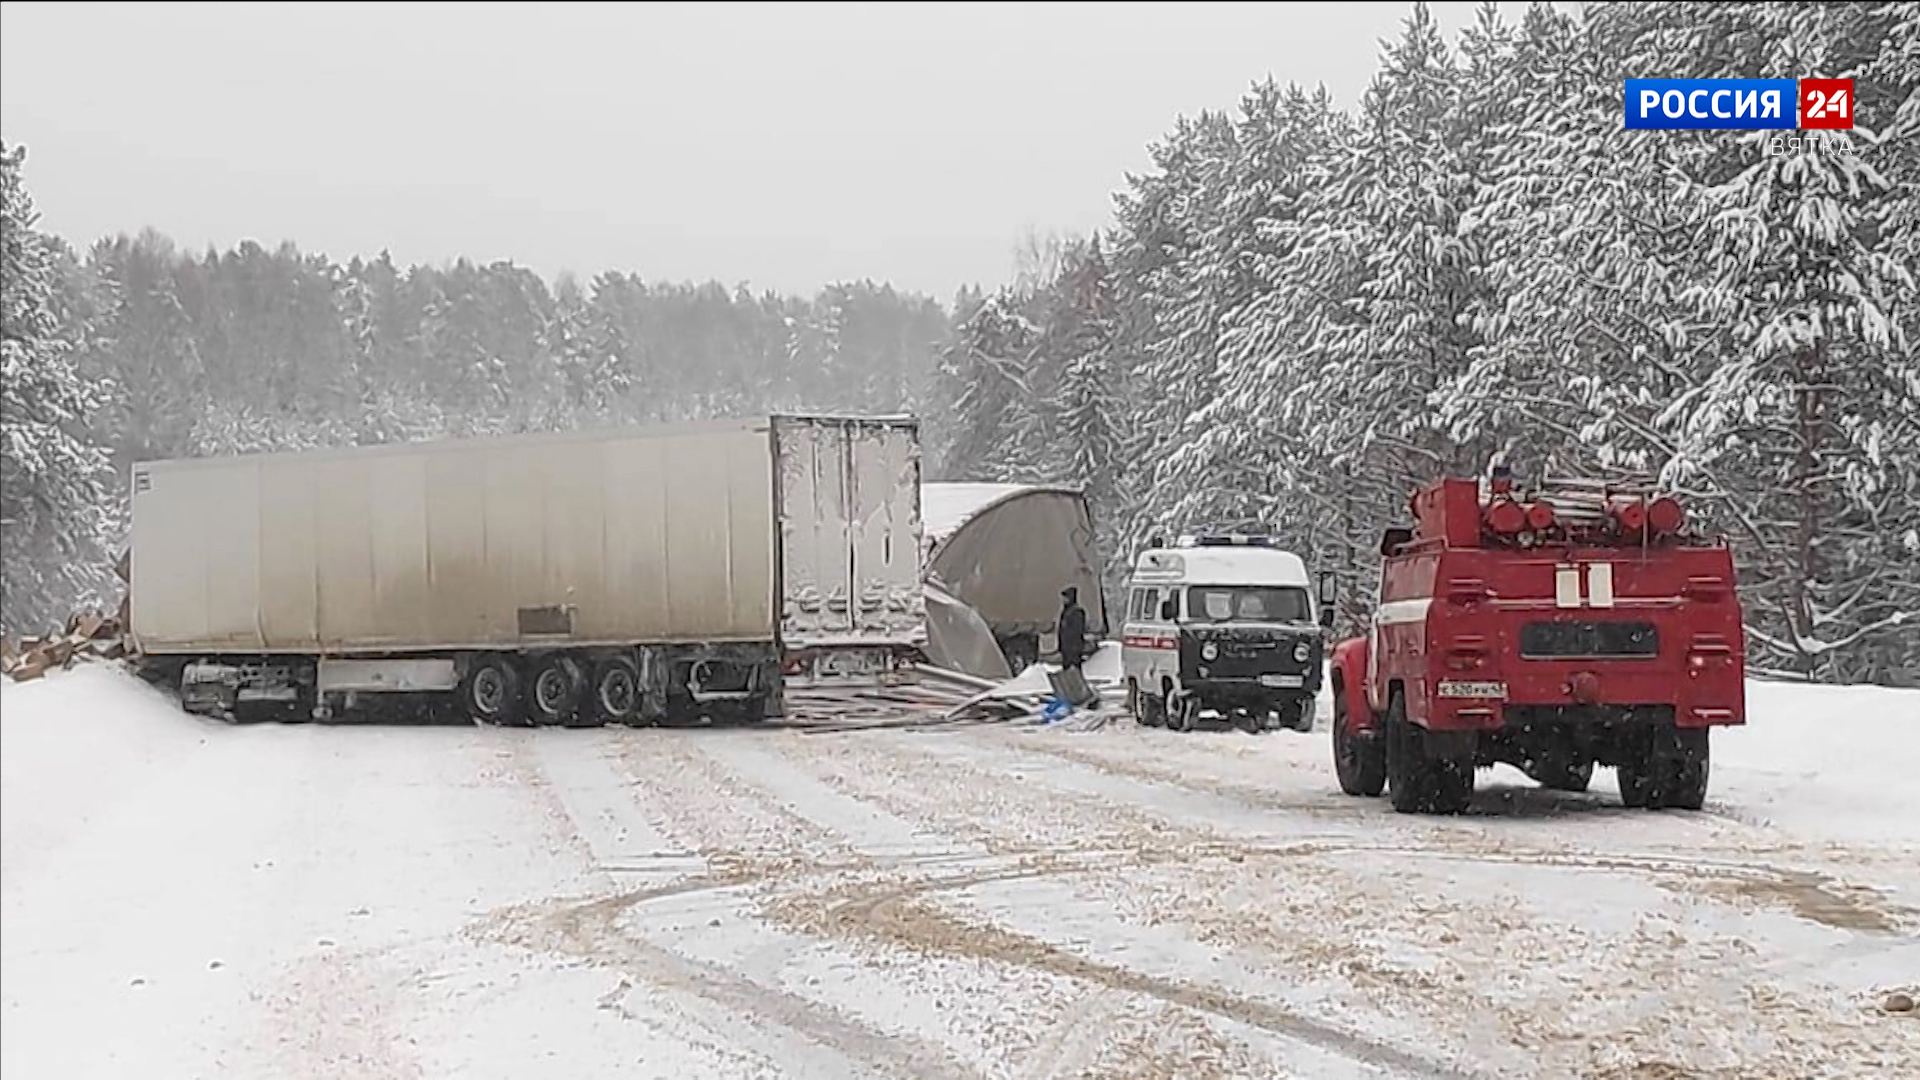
1359 761
554 690
491 693
616 690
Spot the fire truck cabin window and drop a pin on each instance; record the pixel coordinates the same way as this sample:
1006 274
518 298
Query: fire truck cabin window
1248 603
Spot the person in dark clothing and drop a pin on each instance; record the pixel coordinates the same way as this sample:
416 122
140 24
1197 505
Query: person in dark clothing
1072 630
1071 633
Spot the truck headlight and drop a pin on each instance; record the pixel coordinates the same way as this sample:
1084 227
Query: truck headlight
1302 650
1209 651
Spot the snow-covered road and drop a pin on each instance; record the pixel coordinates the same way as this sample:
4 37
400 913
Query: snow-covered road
185 899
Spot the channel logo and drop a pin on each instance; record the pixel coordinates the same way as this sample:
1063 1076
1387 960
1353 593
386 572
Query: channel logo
1738 104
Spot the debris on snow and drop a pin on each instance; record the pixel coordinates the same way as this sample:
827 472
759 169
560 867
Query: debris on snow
89 635
943 698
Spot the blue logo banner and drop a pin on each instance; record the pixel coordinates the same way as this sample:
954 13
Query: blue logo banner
1712 104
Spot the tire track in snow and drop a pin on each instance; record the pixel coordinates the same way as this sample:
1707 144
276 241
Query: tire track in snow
965 768
952 789
890 847
688 799
990 1013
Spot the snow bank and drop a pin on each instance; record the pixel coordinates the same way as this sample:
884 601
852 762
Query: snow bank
77 745
1826 762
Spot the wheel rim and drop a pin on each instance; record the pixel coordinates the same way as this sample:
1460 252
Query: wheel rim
551 689
489 690
616 693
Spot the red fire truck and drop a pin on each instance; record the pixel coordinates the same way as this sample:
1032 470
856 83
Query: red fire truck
1551 632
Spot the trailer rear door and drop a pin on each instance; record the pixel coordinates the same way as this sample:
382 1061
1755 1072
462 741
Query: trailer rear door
849 497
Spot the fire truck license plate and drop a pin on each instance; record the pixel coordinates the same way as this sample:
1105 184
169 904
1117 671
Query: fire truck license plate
1290 681
1473 690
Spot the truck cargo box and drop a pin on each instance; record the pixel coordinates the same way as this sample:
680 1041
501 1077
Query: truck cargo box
799 530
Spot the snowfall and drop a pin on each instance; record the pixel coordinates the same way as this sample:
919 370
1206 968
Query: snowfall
185 898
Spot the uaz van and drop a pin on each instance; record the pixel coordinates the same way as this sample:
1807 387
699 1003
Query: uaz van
1226 624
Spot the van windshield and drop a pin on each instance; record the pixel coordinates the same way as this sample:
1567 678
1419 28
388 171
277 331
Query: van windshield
1248 603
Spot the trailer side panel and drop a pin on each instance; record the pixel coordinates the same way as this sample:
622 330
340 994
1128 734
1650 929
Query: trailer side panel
644 537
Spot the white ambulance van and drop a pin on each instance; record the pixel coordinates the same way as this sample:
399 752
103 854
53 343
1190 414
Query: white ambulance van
1228 625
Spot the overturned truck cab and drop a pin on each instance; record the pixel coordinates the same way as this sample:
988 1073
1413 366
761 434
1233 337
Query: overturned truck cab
1582 626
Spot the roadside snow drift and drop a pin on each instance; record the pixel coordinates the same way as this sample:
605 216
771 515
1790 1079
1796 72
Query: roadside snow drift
187 899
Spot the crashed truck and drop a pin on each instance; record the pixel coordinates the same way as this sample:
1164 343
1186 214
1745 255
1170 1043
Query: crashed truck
1550 631
996 557
631 577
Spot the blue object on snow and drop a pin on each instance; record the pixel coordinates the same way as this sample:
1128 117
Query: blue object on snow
1055 710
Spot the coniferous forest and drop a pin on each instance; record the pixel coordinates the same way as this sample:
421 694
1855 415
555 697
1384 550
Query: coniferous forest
1300 313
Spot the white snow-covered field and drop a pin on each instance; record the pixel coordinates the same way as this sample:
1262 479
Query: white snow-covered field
184 899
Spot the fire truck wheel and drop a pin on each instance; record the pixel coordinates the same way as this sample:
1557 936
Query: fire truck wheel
1154 712
1416 783
1666 770
1406 764
1682 780
1359 762
1636 779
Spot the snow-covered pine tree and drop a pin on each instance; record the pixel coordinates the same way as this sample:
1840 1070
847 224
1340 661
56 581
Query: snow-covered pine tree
158 381
1239 464
1092 426
983 393
54 550
1165 261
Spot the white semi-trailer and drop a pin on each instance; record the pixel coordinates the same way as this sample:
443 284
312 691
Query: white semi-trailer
579 579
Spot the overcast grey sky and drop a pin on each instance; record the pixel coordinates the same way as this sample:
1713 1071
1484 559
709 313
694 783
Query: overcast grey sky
783 145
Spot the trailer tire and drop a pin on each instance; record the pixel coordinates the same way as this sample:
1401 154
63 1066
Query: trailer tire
491 693
1359 762
554 690
616 690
